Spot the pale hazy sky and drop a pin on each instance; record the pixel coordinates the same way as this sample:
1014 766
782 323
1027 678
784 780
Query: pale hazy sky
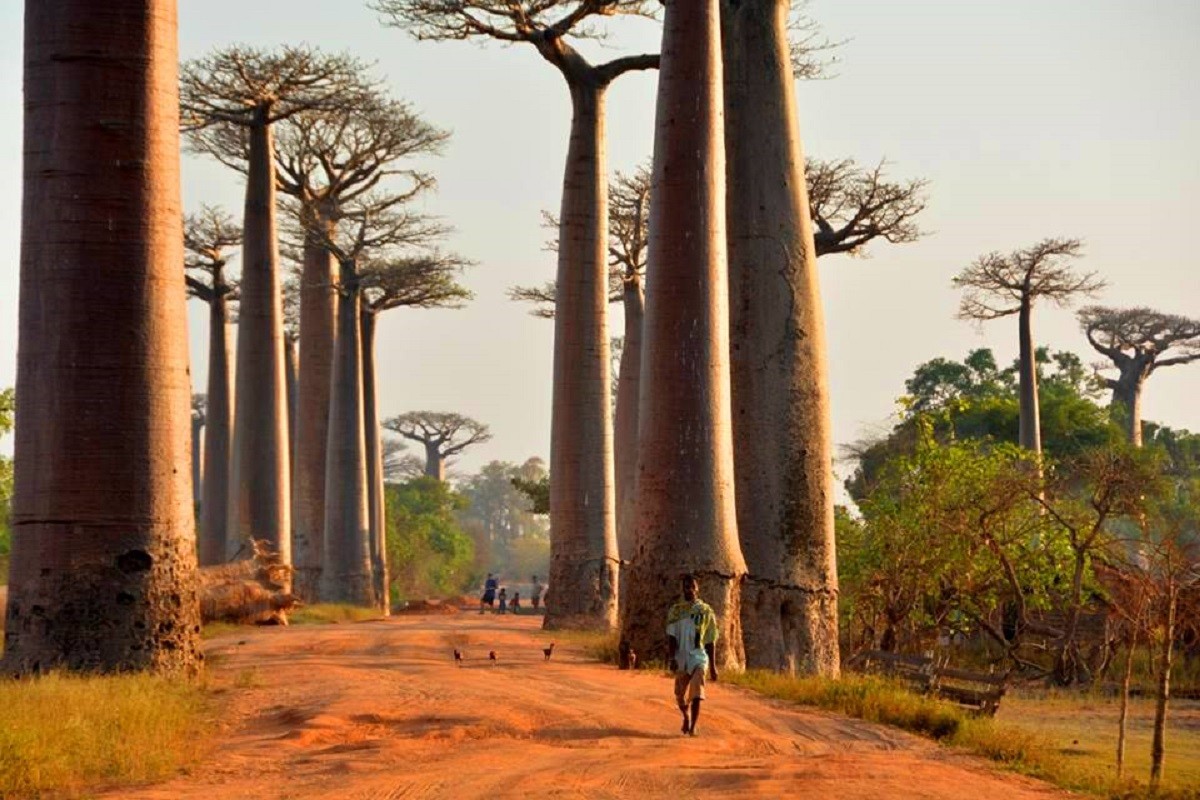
1030 119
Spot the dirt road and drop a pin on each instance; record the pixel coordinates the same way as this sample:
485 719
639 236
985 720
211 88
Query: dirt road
378 710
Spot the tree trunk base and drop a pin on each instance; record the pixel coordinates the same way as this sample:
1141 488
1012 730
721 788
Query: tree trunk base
582 595
138 612
306 584
357 589
644 620
790 629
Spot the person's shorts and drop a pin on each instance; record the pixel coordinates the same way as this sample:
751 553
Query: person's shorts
689 687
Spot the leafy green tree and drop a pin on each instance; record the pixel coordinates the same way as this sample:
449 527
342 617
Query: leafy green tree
948 540
428 552
975 399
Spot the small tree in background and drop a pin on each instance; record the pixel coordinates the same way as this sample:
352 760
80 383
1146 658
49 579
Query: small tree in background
443 435
1136 340
999 285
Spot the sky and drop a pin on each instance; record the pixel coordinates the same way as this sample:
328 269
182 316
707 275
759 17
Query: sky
1030 120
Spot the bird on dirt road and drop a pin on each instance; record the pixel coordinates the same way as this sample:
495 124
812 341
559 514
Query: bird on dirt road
458 657
492 657
548 651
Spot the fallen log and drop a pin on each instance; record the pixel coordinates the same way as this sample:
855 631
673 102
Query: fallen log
256 590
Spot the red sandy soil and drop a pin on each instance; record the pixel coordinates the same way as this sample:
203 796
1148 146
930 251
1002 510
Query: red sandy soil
379 710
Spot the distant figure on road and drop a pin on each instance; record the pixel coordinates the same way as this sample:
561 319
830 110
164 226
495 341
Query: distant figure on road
503 600
489 592
537 593
691 638
516 603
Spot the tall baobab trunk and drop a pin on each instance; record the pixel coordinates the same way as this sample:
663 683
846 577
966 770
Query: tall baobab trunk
318 306
289 378
103 572
780 384
259 496
376 511
197 459
214 500
1127 395
626 424
1030 424
583 541
346 576
686 519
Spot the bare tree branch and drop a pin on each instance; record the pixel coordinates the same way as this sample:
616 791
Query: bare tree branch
851 206
997 285
209 239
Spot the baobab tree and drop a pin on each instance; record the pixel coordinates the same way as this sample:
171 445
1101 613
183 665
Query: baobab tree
425 281
209 237
369 227
780 384
999 285
851 206
326 159
103 571
686 521
249 91
443 435
1135 341
583 544
628 239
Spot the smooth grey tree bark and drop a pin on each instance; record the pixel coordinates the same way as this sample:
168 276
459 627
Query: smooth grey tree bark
259 489
103 571
214 499
377 528
780 383
346 576
626 424
686 519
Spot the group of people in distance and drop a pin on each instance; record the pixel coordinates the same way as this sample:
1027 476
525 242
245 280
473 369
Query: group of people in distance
494 593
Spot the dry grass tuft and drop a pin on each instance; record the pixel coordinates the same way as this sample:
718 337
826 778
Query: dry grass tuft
68 735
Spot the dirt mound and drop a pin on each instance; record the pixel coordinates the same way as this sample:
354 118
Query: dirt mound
432 606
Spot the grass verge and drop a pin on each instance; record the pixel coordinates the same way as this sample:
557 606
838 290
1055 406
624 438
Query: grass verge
1014 747
327 613
68 735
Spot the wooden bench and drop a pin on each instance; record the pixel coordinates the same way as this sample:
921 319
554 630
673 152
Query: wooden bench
980 692
916 671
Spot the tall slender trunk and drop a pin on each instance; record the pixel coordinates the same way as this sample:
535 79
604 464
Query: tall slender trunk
1127 395
583 540
103 572
435 463
318 306
259 492
686 520
289 376
197 460
1158 745
1030 424
1068 668
376 510
214 502
346 577
780 383
625 426
1123 720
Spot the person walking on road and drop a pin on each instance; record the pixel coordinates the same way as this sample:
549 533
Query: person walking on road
692 639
